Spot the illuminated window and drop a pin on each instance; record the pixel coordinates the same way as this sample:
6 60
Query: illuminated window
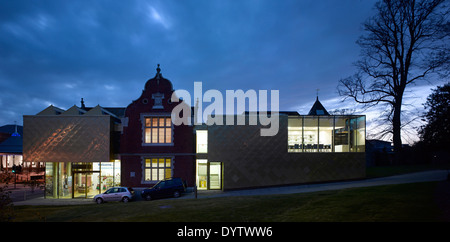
156 169
295 134
361 134
158 130
326 133
310 133
202 141
341 134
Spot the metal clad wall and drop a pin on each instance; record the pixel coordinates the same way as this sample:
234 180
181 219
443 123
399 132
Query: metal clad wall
251 160
66 138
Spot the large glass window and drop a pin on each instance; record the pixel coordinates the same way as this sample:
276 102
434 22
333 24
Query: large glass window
310 133
50 175
158 130
65 180
80 179
295 134
353 138
202 141
157 169
357 134
341 134
326 134
361 134
110 175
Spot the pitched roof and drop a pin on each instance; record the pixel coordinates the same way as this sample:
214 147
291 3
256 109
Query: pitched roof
51 110
318 109
12 145
11 128
74 110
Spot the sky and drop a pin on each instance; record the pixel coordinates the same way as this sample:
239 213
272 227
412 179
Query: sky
56 52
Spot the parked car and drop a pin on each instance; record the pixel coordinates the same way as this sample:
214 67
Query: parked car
123 194
172 187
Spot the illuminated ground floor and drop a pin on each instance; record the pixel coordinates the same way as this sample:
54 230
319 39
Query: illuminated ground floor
80 179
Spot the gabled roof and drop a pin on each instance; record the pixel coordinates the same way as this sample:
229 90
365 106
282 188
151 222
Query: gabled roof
74 110
116 113
98 110
51 110
318 109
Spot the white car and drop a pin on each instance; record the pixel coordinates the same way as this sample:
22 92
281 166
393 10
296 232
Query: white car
123 194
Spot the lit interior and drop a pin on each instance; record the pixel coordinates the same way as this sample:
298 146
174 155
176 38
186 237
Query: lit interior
326 134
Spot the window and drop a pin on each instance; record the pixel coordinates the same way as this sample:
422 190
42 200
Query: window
208 175
341 134
157 169
295 134
361 134
310 133
158 130
202 141
326 134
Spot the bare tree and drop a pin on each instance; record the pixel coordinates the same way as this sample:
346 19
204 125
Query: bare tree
405 42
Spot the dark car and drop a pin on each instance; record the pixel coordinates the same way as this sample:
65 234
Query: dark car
172 187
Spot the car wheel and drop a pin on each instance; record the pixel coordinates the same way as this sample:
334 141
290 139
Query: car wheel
148 197
99 200
176 194
125 199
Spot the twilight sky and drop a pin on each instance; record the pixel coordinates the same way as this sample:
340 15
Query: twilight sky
57 52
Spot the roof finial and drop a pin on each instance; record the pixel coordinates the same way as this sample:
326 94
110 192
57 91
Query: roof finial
15 134
158 70
82 104
317 94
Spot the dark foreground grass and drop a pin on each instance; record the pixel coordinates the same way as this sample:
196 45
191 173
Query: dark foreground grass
407 202
391 170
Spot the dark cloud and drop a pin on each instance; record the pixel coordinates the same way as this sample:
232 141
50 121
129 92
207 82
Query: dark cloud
56 52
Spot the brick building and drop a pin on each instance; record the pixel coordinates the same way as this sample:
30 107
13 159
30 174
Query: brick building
151 147
89 149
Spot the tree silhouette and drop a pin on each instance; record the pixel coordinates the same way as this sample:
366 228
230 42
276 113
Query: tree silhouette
436 133
405 42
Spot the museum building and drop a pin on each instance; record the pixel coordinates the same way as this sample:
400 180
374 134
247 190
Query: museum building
86 150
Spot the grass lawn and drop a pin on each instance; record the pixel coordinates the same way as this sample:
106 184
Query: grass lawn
406 202
382 171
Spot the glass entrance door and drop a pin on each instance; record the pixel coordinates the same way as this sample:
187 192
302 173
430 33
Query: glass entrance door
202 174
86 184
209 175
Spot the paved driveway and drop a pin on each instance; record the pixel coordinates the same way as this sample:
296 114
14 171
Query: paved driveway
436 175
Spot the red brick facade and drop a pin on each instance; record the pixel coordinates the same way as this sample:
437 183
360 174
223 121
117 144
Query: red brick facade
154 102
